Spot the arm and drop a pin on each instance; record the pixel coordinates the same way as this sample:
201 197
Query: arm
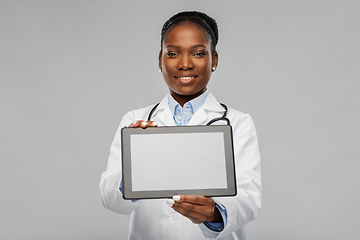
110 179
242 208
245 206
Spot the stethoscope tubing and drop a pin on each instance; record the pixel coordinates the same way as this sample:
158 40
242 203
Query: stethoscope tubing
222 118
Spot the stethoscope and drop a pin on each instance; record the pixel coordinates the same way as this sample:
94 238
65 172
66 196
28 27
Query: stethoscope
222 118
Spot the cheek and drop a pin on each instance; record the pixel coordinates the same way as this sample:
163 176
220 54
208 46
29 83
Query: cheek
204 64
167 65
167 72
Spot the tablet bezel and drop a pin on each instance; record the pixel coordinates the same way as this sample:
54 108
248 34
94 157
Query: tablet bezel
128 193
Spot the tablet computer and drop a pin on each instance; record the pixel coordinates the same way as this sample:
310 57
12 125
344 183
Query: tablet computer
159 162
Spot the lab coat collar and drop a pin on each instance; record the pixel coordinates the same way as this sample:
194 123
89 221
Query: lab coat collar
210 109
163 113
211 104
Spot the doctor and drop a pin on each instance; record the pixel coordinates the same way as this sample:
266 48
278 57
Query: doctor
187 59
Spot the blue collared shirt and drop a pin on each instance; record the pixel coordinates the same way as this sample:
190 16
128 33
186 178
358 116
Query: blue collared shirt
182 115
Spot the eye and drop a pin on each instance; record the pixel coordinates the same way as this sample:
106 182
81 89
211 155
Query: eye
171 54
200 54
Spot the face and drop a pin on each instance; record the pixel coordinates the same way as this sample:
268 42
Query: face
186 61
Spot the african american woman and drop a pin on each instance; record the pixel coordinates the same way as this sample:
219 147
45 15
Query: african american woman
187 59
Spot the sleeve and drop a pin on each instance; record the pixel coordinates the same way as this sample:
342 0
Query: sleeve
218 227
110 179
245 206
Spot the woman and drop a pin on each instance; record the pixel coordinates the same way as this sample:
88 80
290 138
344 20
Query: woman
187 59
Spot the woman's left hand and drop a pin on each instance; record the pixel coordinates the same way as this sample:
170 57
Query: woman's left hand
143 124
197 208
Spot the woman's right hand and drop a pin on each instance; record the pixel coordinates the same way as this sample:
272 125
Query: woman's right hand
143 124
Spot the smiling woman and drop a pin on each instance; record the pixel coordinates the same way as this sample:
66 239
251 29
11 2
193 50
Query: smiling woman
187 59
187 62
188 56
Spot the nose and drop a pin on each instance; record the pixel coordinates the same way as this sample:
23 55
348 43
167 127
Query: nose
185 62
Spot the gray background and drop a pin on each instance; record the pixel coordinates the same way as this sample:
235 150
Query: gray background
69 71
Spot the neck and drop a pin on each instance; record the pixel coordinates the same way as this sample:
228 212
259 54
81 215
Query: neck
182 99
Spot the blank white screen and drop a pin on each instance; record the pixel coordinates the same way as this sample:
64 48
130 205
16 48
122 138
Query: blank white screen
178 161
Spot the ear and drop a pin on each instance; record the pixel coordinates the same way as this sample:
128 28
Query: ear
215 59
160 66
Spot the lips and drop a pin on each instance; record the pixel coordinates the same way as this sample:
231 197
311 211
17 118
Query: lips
186 79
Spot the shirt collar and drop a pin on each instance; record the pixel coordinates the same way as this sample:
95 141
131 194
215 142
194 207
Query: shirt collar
196 103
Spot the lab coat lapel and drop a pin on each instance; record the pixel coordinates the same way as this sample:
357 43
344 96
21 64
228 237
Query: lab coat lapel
163 115
199 117
209 110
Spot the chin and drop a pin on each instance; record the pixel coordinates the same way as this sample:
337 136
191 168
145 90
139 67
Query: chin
185 92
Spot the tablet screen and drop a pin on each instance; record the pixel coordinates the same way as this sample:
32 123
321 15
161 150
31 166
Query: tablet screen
198 159
160 162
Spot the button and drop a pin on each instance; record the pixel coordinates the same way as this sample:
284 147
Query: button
175 216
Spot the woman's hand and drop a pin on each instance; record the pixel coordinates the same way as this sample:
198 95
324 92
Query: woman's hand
196 208
143 124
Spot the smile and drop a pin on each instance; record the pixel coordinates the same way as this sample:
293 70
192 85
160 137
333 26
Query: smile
186 78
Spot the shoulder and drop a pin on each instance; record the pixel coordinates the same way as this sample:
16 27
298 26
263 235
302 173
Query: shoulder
212 104
237 118
236 113
139 114
241 122
135 115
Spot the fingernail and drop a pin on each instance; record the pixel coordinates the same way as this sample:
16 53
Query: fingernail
155 123
144 124
176 197
170 202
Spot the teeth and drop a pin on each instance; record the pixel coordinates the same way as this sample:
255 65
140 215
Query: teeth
186 78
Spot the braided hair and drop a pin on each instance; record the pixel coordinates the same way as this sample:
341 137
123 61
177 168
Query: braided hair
208 24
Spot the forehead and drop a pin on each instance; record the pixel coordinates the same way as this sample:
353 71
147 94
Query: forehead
186 33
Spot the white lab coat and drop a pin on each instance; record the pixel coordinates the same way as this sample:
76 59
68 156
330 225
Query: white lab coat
154 219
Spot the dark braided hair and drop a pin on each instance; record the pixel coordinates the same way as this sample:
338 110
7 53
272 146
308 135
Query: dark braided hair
201 19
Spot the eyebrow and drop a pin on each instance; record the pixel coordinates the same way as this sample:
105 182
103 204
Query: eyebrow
172 46
195 46
198 45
